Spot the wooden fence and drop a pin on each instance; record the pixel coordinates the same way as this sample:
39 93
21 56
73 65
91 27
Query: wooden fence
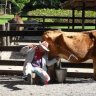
66 21
6 47
20 63
16 62
11 62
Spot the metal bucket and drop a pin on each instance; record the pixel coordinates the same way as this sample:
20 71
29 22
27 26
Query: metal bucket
61 75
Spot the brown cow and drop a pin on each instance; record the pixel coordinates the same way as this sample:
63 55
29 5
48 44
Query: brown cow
16 20
73 46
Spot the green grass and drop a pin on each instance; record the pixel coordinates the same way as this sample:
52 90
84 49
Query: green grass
5 18
75 27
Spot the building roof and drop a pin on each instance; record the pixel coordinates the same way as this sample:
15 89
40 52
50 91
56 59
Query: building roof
79 4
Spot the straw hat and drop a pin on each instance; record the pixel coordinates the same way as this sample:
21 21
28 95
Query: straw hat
44 45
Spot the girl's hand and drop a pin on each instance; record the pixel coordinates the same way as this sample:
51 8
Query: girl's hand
32 46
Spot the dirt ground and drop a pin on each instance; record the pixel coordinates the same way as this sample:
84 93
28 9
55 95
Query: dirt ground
15 86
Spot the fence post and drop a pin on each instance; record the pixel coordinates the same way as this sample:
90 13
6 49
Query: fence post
10 8
43 22
4 38
83 16
68 24
95 18
73 17
8 37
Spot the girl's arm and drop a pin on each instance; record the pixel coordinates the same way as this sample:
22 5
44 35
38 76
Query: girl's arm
52 61
24 50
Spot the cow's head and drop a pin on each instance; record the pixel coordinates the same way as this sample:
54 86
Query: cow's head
50 37
57 46
16 20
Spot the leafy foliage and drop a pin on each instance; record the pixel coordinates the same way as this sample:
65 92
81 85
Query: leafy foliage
19 4
44 3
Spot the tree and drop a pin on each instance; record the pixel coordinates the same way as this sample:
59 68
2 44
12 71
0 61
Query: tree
5 2
44 3
19 4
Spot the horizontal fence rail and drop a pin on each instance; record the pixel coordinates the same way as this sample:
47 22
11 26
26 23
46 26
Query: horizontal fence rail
79 75
11 48
54 17
59 17
12 62
46 24
21 33
32 32
79 65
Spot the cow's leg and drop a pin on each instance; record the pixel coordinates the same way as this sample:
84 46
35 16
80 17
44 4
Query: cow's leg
94 68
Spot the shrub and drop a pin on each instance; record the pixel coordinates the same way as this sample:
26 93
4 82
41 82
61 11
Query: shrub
60 12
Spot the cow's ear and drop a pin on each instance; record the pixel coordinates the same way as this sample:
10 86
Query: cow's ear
59 39
93 34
